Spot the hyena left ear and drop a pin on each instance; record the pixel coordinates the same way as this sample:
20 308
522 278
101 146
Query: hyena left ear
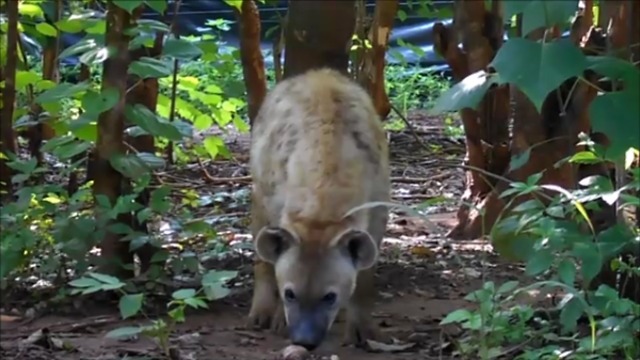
271 242
360 247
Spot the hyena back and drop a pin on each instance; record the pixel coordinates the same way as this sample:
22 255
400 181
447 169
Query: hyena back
318 150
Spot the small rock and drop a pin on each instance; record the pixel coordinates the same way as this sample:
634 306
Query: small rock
334 357
294 352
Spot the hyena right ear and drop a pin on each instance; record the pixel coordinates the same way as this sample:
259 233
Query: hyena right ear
271 242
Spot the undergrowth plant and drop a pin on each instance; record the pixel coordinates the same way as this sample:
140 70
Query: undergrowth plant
551 230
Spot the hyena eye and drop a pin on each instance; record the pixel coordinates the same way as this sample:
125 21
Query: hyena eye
330 298
289 295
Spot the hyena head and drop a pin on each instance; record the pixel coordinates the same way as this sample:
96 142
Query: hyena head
316 275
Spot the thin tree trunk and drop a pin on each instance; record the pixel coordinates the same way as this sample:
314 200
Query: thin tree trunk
383 17
108 181
251 55
8 75
310 42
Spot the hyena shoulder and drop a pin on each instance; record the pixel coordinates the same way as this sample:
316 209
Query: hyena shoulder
318 150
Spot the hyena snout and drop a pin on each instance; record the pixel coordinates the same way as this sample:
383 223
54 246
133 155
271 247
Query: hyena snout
308 331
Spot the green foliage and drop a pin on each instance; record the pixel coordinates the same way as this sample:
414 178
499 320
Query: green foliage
55 230
553 235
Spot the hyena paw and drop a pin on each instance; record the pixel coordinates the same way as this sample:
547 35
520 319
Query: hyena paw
358 333
279 322
262 313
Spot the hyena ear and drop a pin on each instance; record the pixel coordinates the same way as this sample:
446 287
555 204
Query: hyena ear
360 247
271 242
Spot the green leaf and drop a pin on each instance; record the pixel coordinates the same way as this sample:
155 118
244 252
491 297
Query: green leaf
567 272
82 46
571 311
402 15
107 279
466 94
148 67
47 29
539 262
129 165
97 103
215 291
614 68
25 78
85 282
143 117
616 114
31 10
591 260
507 287
218 276
62 91
124 332
68 151
237 4
181 49
160 200
585 157
213 144
130 305
97 55
157 5
183 294
152 25
152 161
547 66
456 316
128 5
519 160
540 13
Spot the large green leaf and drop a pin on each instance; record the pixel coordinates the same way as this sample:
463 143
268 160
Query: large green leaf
181 49
466 94
31 10
97 103
537 69
129 165
88 43
540 13
62 91
615 69
148 67
617 115
143 117
47 29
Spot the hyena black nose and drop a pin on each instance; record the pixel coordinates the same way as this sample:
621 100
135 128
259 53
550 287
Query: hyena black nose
306 336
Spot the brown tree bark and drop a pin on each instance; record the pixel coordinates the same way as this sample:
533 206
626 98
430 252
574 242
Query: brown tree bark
143 92
317 35
251 56
7 101
108 181
486 129
72 185
374 61
44 131
621 37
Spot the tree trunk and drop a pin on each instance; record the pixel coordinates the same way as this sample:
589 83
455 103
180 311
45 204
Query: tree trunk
43 131
107 180
318 35
252 61
8 75
486 129
374 61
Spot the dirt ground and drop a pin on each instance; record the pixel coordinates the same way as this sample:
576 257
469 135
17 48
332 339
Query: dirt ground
422 276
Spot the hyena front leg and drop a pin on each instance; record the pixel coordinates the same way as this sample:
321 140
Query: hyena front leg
266 308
